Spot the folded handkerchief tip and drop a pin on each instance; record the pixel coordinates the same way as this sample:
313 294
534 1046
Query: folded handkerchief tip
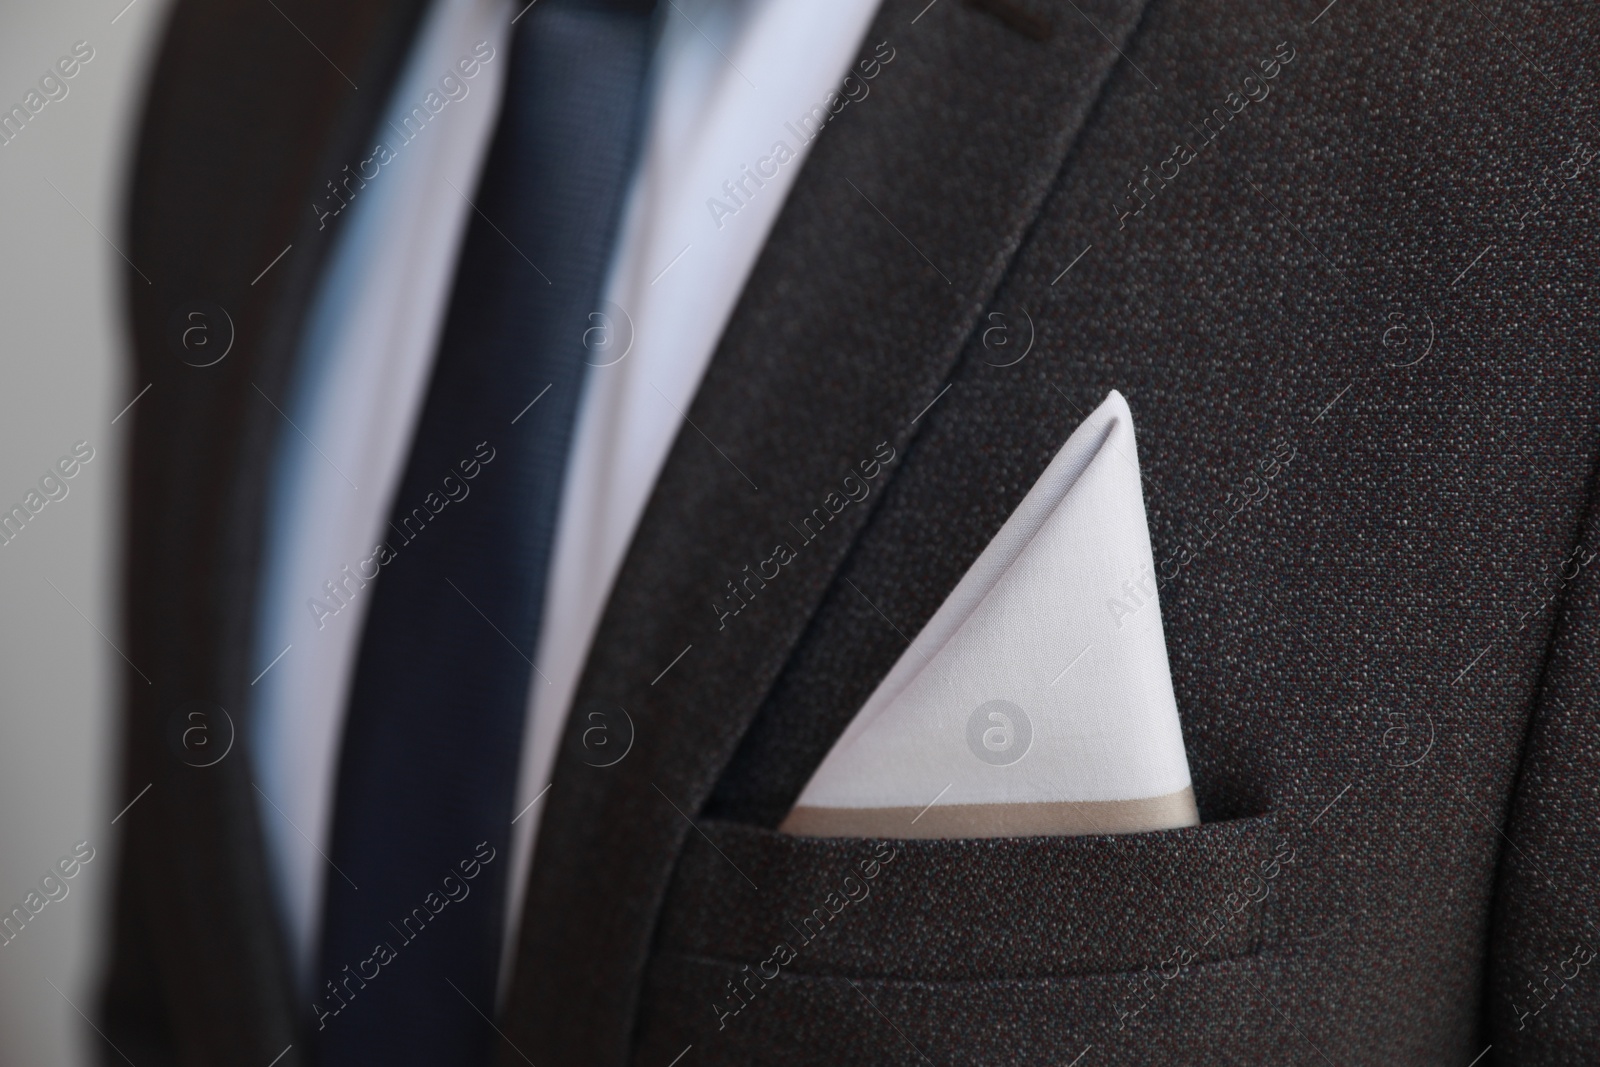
1038 699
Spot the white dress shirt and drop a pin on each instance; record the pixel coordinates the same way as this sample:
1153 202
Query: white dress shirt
732 80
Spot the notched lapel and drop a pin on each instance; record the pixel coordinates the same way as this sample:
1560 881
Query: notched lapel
895 236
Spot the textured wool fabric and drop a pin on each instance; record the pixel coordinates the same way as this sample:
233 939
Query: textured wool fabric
1363 281
1540 1005
1041 679
837 928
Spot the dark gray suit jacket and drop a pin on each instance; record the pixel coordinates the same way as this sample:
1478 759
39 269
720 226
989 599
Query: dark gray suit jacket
1340 260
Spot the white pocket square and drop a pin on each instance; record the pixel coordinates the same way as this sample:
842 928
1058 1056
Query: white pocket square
1037 700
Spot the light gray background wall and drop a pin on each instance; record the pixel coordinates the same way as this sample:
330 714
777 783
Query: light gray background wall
63 377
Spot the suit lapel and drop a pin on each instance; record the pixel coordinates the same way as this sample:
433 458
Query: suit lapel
895 235
246 122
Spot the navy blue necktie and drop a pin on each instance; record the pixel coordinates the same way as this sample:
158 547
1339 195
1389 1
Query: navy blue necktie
413 921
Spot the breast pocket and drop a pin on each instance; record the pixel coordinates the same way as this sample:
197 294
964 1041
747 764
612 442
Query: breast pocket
777 949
